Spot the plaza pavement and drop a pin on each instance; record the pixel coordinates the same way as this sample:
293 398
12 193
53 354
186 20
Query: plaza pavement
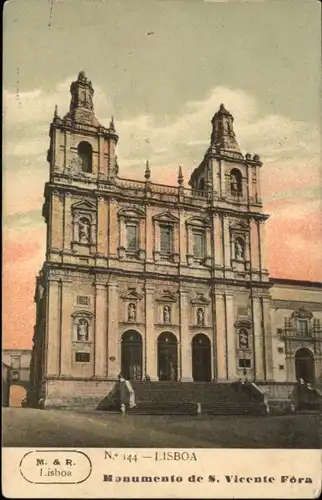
60 428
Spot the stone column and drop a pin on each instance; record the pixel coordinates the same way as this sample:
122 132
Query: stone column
53 328
222 372
100 346
231 339
258 339
114 347
66 331
185 345
150 347
149 234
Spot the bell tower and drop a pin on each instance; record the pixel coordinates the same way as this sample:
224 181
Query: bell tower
223 138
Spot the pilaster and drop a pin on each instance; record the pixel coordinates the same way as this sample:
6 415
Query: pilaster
222 371
68 221
53 328
101 335
113 228
185 345
258 339
268 347
66 331
150 347
102 227
226 237
230 333
56 221
114 347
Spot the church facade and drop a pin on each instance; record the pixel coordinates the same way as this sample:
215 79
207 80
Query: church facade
161 282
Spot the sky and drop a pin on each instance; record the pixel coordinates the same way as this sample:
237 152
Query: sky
162 68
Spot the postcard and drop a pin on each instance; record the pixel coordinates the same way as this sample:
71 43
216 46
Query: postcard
162 270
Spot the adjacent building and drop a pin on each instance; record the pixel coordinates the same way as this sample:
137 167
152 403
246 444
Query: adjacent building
160 282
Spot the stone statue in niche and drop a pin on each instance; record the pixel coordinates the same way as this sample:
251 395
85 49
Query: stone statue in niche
84 231
234 186
166 315
200 317
243 339
82 330
131 312
239 250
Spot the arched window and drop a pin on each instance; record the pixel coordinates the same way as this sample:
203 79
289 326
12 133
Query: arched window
239 249
84 230
236 184
85 152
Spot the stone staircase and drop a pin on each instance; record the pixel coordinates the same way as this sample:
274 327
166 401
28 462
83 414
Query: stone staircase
192 398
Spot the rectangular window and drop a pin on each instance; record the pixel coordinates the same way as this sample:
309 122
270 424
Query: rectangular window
244 363
280 350
131 237
83 300
199 245
82 357
166 234
15 362
303 326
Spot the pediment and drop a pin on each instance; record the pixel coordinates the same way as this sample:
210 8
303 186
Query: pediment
167 296
198 222
243 323
201 300
131 213
165 217
83 314
84 205
302 314
132 294
239 225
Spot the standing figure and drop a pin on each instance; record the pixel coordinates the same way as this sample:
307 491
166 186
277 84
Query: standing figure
131 312
200 317
84 231
166 315
243 339
239 250
82 330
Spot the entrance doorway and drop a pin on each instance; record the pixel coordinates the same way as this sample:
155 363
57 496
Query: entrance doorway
131 355
304 365
167 356
201 358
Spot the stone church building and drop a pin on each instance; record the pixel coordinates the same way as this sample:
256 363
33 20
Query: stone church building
161 282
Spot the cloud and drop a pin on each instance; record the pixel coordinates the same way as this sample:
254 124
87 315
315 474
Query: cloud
289 149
